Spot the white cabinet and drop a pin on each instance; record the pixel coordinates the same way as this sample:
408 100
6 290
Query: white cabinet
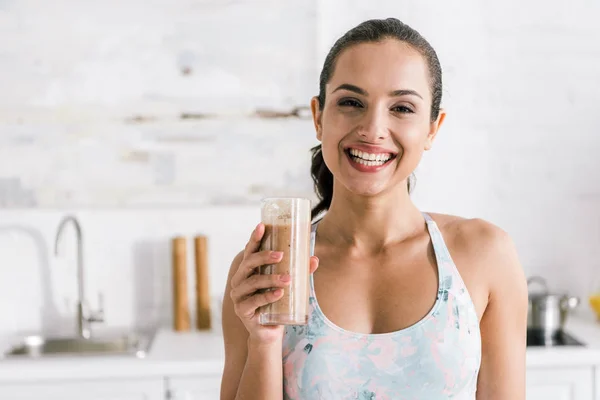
597 386
178 387
560 383
194 387
113 389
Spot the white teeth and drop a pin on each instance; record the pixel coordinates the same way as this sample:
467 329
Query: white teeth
379 157
368 163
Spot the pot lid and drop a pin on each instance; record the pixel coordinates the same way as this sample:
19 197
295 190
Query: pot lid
543 292
546 296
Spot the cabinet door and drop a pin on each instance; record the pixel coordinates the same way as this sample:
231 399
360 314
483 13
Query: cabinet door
597 385
113 389
560 384
194 387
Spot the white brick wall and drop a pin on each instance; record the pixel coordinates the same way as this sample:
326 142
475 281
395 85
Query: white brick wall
92 95
78 75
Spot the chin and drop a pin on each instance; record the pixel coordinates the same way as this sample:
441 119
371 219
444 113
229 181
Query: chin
367 189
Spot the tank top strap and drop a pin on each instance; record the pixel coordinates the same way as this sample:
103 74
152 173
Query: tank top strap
442 254
427 217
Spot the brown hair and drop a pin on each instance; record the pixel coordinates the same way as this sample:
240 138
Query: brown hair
374 30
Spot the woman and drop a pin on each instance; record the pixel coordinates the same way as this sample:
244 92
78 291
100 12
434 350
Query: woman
404 304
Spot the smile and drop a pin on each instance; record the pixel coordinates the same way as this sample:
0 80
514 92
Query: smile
368 162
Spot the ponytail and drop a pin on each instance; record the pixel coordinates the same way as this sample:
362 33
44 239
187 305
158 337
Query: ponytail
323 181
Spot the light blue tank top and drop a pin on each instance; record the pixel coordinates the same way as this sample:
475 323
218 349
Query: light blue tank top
436 358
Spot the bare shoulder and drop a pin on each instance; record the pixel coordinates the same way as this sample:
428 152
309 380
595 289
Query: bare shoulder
484 254
475 237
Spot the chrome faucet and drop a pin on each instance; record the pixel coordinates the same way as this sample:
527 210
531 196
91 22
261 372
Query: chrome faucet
85 316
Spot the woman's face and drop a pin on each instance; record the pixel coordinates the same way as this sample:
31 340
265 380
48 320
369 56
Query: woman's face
376 120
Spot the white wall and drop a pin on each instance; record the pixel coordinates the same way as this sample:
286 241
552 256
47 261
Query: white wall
90 119
93 95
127 257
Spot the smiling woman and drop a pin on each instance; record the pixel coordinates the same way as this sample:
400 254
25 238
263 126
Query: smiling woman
403 303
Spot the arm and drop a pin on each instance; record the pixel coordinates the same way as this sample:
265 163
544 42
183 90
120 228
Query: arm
504 322
252 370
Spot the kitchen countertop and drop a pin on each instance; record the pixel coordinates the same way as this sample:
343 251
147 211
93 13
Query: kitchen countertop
586 331
170 353
201 353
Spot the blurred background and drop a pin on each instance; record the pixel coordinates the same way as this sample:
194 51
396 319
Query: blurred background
152 119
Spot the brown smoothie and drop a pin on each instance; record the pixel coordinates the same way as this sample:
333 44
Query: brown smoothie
294 242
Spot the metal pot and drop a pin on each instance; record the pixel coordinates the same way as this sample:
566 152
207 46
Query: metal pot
548 312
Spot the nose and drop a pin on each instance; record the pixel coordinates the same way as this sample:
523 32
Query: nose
374 124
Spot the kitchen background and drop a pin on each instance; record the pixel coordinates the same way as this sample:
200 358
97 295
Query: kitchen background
150 119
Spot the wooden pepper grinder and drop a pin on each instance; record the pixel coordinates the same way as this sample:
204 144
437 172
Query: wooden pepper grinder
181 312
202 286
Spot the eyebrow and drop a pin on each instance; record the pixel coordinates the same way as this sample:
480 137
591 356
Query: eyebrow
362 92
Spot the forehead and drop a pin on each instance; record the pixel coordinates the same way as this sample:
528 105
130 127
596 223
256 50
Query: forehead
382 67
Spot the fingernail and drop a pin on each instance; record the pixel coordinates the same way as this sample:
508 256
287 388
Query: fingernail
276 255
277 292
285 278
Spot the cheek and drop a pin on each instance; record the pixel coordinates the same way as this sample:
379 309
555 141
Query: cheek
329 147
410 136
332 155
333 130
336 123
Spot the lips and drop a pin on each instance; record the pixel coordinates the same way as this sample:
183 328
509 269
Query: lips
372 159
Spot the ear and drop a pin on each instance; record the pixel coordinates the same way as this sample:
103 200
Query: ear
316 113
434 128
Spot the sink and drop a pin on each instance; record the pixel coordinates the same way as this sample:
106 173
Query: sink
132 344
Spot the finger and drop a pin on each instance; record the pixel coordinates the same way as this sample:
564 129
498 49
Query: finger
248 307
314 264
257 283
249 264
258 259
254 243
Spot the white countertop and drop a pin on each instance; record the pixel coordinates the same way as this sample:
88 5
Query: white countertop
171 353
202 353
586 331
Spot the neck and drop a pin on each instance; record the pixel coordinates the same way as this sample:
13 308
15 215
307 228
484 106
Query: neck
370 223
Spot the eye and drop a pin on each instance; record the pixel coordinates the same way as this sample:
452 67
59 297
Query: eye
402 109
349 103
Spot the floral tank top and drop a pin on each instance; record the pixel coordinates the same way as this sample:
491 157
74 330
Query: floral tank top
436 358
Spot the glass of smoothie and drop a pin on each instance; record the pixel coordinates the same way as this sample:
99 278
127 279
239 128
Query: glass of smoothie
287 223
